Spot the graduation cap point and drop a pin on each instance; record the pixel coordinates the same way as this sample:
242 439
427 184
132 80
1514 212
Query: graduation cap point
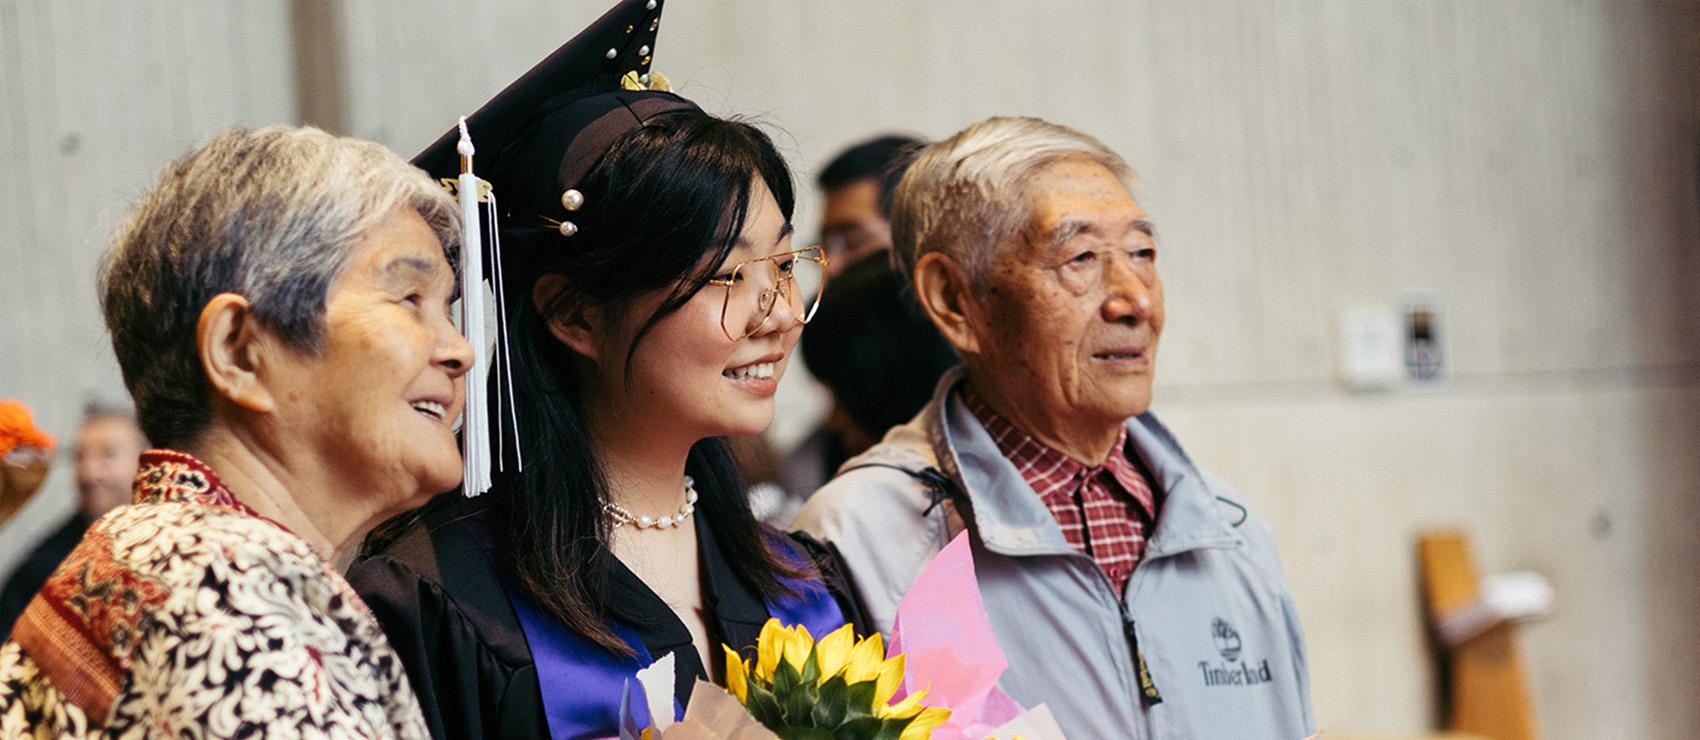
550 108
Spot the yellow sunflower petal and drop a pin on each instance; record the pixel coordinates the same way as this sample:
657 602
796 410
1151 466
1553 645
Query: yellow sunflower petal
878 644
769 646
890 677
909 707
737 681
864 661
833 652
924 723
798 643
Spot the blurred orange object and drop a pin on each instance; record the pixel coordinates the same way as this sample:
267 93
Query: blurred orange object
17 429
25 456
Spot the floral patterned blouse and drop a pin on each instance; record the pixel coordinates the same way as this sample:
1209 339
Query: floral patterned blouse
186 614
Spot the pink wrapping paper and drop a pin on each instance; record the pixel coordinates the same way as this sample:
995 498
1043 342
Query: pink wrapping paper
942 627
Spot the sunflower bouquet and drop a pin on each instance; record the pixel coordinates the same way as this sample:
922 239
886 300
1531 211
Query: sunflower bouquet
840 687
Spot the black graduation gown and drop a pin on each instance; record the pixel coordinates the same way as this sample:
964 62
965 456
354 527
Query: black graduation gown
432 581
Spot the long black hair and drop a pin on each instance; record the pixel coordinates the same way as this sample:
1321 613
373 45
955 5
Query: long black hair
664 206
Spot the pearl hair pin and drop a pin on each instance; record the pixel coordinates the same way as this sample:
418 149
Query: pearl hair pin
572 200
623 516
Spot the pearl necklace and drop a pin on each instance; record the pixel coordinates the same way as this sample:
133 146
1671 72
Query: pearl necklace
623 516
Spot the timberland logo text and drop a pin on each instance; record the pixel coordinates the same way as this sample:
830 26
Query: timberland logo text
1235 674
1231 672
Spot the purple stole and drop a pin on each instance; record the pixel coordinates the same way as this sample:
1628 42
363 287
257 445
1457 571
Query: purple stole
582 683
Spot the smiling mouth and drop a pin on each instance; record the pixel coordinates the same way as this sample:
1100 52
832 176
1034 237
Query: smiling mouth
1120 354
752 371
432 409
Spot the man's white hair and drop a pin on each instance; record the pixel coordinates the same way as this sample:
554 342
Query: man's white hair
967 194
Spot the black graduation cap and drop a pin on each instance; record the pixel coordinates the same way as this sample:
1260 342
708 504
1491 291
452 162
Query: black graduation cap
535 142
540 136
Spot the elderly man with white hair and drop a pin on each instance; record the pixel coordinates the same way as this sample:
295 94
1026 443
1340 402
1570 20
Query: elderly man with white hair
1134 593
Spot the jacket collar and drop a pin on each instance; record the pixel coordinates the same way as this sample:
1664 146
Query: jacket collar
1013 521
172 476
169 476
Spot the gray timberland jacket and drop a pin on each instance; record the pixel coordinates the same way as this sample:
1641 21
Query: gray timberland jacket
1207 610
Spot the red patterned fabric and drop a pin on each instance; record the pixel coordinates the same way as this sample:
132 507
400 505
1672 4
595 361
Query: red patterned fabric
1105 511
186 614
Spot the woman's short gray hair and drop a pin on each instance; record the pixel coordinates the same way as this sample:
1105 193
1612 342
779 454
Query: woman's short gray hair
270 215
966 195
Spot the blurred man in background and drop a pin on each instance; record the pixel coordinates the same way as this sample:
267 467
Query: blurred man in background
856 191
879 357
107 447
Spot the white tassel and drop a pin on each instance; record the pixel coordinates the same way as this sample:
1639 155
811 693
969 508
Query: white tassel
505 376
475 427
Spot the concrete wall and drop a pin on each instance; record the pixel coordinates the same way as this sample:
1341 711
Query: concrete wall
1535 162
95 99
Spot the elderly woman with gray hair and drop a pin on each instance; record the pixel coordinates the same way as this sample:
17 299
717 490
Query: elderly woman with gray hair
279 305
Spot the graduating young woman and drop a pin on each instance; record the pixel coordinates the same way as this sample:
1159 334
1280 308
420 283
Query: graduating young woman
653 298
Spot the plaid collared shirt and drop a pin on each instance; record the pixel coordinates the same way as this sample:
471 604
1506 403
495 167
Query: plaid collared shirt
1104 511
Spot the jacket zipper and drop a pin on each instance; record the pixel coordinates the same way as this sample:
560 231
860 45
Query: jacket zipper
941 486
1147 687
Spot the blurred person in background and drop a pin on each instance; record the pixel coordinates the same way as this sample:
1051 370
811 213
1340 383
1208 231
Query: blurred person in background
26 454
1133 593
108 444
856 198
104 457
279 306
855 187
879 356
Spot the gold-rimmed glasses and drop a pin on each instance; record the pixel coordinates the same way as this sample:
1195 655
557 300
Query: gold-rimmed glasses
754 287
